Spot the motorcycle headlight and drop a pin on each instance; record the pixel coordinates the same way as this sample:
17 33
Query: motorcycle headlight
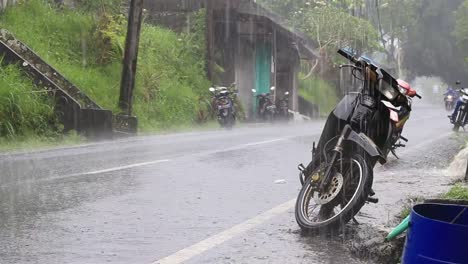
449 97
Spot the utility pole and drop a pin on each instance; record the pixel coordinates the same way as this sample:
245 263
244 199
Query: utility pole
209 40
127 84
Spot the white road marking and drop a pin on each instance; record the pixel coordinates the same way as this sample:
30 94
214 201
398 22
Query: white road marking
130 166
122 167
265 142
218 239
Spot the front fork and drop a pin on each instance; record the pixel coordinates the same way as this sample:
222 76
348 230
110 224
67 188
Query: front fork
327 176
337 151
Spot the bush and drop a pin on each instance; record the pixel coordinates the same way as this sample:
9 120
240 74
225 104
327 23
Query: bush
23 112
319 92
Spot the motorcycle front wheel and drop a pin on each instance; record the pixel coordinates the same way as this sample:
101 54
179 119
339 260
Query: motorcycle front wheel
349 190
230 121
460 121
448 106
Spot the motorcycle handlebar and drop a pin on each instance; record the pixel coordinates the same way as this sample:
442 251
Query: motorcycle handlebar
418 96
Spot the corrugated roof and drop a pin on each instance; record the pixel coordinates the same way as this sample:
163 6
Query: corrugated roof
305 44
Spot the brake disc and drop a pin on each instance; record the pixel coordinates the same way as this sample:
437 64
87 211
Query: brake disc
335 188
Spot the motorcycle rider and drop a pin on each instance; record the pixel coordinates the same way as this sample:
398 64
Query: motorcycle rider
457 105
450 91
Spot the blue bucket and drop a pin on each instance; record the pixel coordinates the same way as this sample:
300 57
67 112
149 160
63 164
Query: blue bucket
438 233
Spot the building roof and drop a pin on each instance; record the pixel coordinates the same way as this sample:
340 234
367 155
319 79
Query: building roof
306 46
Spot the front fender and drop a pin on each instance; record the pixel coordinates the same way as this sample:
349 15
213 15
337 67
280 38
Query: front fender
367 144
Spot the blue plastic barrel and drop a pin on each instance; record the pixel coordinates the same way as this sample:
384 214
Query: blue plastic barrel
438 233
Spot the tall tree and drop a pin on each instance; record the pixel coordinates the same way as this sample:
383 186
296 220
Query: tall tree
461 29
431 48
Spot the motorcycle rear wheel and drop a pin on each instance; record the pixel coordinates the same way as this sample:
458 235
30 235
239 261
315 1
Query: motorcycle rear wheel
357 177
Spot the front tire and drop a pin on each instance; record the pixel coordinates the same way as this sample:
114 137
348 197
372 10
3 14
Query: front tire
230 122
350 199
460 121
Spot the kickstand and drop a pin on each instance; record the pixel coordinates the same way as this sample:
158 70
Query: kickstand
394 154
355 221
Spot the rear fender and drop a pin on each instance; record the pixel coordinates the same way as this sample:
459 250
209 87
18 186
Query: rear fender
367 145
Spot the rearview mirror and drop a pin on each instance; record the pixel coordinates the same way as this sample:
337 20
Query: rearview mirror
212 89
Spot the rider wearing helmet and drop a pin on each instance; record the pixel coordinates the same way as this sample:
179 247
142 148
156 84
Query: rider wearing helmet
451 91
457 106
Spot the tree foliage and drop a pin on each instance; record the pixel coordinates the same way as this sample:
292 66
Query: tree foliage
461 29
430 48
332 27
333 24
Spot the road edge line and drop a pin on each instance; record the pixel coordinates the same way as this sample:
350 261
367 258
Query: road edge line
228 234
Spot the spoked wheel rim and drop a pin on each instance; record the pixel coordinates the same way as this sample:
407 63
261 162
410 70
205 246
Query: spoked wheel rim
316 213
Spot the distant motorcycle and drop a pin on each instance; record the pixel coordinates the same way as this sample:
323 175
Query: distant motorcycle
266 109
461 111
223 103
449 102
282 109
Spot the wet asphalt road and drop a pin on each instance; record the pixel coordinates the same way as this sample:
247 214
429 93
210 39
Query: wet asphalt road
143 199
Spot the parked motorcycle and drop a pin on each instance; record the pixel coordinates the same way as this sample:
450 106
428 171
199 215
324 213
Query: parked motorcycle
223 102
361 131
282 112
449 102
461 114
266 109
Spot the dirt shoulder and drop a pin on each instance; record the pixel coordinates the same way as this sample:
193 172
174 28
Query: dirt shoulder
424 173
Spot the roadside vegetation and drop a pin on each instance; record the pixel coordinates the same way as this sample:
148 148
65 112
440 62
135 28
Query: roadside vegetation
320 92
458 192
85 44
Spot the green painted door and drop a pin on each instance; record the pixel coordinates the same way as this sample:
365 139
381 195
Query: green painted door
262 68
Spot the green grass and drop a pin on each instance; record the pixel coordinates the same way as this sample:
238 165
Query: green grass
170 78
27 118
457 192
34 142
319 92
22 111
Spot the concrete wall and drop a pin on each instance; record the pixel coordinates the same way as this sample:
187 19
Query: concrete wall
286 70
